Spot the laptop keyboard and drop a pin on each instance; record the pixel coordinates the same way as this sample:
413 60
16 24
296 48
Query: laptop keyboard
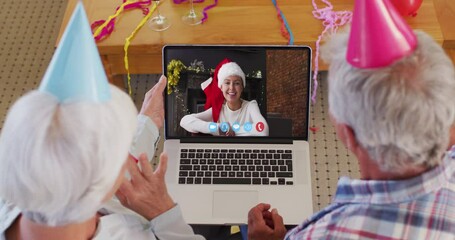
236 166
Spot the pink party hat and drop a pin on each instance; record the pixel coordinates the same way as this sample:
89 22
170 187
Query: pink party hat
379 35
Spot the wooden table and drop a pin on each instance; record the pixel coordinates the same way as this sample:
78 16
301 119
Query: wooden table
445 10
231 22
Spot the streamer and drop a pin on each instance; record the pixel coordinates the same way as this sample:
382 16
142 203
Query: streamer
331 20
104 28
285 28
128 42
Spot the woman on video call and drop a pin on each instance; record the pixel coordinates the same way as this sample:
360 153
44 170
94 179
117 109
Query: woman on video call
226 113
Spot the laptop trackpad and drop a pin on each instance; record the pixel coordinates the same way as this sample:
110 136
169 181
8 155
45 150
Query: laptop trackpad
233 204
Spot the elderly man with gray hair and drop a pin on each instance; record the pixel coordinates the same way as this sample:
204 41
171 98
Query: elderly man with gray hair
396 116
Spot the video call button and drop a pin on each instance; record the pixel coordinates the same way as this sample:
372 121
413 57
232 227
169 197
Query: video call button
260 126
224 127
248 126
236 127
212 127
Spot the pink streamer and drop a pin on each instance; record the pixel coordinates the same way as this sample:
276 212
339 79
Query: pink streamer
107 30
204 12
138 4
182 1
331 20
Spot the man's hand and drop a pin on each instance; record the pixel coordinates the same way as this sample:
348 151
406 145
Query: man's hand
265 225
153 105
146 192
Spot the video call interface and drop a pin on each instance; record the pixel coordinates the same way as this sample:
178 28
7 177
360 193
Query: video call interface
271 101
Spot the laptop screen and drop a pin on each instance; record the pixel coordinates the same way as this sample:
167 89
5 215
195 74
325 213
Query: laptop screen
237 92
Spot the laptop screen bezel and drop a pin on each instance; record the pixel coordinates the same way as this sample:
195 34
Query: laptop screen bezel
256 139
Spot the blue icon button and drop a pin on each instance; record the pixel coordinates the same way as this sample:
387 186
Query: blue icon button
236 127
248 126
212 127
224 127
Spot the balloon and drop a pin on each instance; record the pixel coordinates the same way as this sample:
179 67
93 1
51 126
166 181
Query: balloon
407 7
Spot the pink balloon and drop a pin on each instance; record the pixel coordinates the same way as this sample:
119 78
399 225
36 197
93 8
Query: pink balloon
407 7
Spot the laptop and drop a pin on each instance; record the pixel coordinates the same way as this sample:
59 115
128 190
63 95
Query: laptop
215 177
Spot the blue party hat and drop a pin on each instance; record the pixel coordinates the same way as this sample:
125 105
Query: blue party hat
75 72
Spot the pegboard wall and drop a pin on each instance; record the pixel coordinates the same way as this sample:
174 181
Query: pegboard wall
27 39
330 159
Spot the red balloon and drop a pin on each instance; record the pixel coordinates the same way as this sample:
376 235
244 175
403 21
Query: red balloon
407 7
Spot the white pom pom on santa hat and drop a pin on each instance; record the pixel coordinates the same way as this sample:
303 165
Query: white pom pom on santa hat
230 69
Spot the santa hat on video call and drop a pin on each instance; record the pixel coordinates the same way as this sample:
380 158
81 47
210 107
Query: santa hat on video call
230 69
379 35
212 86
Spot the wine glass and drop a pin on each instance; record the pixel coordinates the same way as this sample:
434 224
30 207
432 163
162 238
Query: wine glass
160 22
192 18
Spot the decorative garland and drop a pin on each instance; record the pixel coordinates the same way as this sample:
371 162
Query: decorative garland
197 66
174 68
331 20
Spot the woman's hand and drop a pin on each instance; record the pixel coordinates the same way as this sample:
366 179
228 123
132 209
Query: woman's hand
153 105
146 192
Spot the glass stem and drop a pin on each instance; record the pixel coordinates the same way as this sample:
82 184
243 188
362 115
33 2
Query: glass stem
192 8
158 10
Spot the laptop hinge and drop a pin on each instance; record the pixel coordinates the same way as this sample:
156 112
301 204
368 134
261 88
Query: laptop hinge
236 140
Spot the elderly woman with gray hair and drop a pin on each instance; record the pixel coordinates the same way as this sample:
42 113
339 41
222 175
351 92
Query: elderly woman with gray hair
60 165
64 152
396 118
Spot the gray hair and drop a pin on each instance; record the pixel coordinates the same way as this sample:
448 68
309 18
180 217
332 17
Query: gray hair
59 160
401 114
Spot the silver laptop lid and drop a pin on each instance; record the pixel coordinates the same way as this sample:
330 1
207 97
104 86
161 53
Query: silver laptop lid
263 98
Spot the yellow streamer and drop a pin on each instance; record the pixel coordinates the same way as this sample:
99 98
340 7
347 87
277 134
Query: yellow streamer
128 41
117 13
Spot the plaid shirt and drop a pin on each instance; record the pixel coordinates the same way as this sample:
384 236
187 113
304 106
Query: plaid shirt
418 208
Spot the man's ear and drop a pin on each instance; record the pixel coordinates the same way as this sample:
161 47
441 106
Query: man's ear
347 136
452 136
345 133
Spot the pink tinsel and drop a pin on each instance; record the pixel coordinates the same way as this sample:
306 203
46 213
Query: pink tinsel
182 1
204 12
331 20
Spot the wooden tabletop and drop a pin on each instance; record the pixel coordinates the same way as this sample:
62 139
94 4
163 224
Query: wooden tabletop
445 10
231 22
